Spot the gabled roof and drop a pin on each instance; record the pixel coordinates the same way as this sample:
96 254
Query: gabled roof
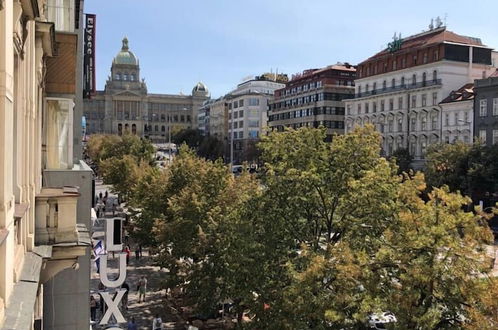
428 38
464 93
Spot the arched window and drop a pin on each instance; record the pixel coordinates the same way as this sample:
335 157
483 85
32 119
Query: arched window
384 85
134 129
156 128
402 81
127 128
163 128
434 76
120 129
414 79
393 83
424 77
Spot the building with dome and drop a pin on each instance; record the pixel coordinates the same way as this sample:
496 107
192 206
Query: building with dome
126 106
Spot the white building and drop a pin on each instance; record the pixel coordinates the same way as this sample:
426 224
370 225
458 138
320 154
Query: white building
248 115
399 89
457 113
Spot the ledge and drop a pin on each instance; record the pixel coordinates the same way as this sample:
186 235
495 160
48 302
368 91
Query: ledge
20 210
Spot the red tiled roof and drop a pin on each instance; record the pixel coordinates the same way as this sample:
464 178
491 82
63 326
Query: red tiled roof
428 38
464 93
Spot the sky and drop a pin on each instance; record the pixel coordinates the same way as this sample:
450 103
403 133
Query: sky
221 42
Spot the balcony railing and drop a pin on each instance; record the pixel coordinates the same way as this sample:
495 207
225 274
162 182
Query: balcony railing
397 88
56 216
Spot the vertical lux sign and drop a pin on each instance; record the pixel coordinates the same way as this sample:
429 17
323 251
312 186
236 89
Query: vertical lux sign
89 56
112 303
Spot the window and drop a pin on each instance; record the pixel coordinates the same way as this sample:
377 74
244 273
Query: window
482 136
359 89
125 76
366 88
414 79
382 105
390 125
253 102
424 78
425 58
374 86
495 136
132 77
391 104
414 101
402 81
423 123
253 134
414 61
447 119
400 124
118 76
253 123
241 124
434 75
366 107
413 123
163 128
400 102
495 106
423 147
466 117
434 122
241 103
393 83
241 113
424 100
434 98
235 124
483 108
235 105
359 108
374 106
436 55
384 85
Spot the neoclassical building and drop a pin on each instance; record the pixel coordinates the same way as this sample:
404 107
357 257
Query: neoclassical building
126 106
399 89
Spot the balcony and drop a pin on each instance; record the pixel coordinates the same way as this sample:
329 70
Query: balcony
56 215
397 88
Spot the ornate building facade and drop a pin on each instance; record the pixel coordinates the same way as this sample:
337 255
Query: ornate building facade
399 89
126 106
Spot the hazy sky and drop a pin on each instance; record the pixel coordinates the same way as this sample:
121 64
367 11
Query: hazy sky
219 42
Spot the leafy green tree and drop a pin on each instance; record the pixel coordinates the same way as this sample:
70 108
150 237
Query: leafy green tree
403 159
211 148
191 137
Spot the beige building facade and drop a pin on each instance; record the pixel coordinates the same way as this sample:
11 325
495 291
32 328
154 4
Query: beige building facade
43 231
126 106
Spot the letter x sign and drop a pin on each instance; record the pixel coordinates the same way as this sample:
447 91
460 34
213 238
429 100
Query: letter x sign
112 307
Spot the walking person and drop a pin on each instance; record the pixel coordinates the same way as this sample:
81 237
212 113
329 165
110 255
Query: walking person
142 288
131 324
128 252
124 302
93 308
157 323
137 253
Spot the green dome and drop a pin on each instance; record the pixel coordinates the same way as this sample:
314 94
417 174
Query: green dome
125 56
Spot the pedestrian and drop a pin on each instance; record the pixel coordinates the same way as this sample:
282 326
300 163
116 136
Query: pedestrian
132 325
106 194
157 323
93 308
140 249
100 196
137 253
128 252
142 288
124 302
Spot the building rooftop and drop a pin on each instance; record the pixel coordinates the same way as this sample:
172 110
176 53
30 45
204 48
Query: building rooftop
425 39
125 56
464 93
